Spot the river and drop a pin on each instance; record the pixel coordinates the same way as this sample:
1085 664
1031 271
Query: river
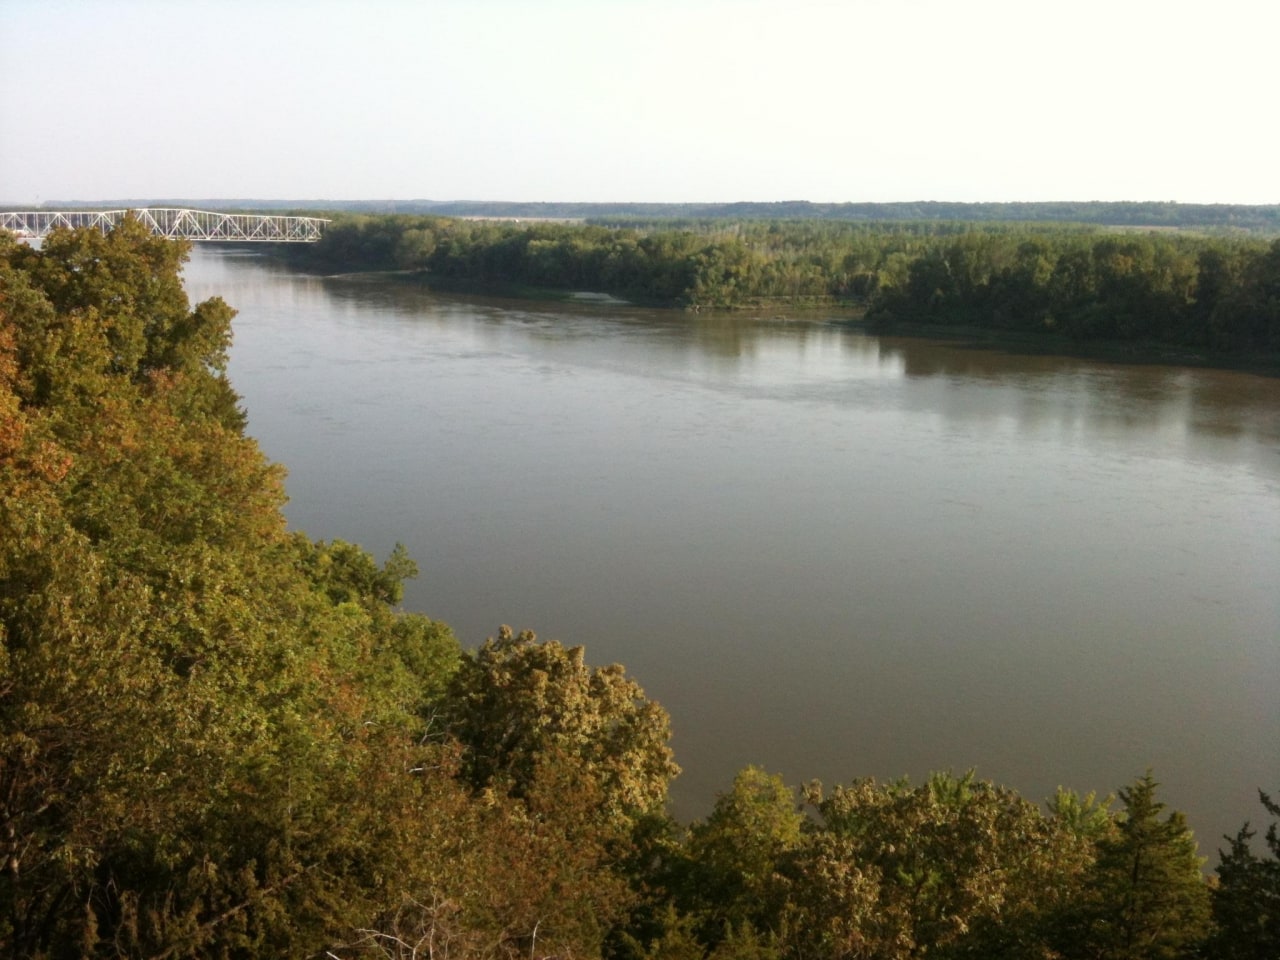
831 554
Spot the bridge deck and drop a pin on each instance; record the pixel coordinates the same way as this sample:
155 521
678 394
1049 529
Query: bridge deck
173 222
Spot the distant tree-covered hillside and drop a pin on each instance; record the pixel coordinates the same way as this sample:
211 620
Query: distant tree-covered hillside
1263 218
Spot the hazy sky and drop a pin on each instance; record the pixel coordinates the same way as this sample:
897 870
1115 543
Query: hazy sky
687 100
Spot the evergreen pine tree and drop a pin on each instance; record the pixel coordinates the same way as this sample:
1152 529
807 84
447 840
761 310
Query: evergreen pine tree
1246 903
1150 900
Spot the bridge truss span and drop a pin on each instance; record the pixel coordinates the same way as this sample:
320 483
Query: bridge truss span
172 222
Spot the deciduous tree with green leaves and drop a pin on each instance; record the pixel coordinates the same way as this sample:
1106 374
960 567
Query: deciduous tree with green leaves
731 877
518 699
200 746
954 867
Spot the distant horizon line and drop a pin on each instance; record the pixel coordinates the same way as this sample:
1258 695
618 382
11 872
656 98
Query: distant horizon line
296 201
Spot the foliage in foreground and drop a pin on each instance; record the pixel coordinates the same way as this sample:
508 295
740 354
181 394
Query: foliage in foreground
220 739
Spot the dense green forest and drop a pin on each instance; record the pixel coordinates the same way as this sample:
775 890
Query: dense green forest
1075 283
222 739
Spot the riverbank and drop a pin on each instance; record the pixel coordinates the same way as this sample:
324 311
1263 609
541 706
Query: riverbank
1169 297
856 315
1025 343
513 290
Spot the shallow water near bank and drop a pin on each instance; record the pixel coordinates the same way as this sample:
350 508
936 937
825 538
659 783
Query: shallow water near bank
829 553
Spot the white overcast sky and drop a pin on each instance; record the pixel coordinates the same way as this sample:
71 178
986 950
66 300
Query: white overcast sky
641 100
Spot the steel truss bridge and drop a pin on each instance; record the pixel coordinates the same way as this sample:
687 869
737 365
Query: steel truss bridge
172 222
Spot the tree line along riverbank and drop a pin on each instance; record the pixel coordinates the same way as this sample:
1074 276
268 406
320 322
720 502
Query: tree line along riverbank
1080 283
223 739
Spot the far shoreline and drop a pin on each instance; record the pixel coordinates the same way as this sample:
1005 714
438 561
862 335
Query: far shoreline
811 309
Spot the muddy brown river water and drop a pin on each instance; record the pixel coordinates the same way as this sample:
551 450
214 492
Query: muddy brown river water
832 554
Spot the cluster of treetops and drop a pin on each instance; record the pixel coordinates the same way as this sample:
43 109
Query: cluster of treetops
221 739
1194 291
